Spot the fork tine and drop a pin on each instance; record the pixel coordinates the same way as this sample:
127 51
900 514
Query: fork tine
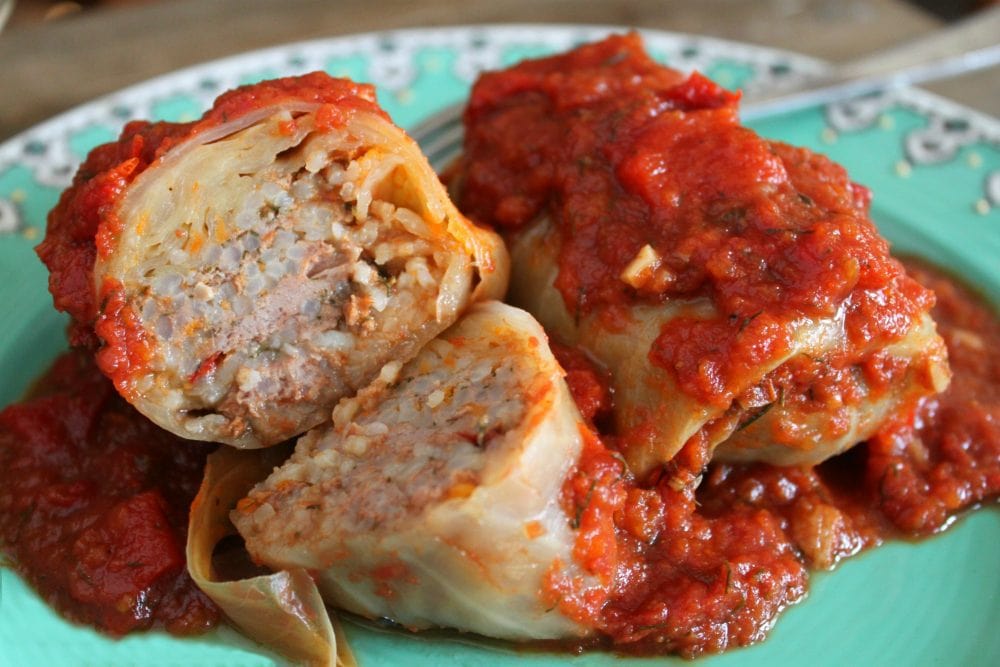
444 146
438 122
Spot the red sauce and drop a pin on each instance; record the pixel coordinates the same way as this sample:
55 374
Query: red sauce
93 505
948 457
700 567
126 349
589 387
623 153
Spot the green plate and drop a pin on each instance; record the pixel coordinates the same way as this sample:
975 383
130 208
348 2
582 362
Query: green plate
934 168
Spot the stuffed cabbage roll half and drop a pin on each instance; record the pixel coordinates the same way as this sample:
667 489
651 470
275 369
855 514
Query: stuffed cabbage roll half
434 498
735 288
800 406
246 271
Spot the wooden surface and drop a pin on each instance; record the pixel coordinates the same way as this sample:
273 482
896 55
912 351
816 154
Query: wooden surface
49 67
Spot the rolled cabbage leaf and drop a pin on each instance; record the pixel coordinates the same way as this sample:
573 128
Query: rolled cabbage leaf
246 271
735 288
764 421
284 610
434 499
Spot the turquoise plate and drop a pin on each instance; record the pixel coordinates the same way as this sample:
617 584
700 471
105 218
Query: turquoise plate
934 168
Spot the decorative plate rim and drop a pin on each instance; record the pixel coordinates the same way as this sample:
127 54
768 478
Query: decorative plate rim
57 164
263 54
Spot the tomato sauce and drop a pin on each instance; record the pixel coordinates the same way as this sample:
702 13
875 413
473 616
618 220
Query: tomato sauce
626 156
700 567
94 505
948 457
589 387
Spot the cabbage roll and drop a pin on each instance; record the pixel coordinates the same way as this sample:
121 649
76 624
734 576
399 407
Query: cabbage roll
783 417
244 272
434 497
735 288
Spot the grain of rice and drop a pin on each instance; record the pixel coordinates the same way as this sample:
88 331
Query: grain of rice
356 445
339 341
247 378
202 291
413 223
390 372
435 398
380 298
164 327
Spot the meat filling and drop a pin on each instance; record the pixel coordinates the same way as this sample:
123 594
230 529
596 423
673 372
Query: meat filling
428 439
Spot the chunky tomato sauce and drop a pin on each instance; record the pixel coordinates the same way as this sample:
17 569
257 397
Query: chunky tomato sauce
699 567
93 505
634 161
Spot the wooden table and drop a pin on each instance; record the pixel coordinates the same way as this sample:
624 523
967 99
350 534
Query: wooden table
50 67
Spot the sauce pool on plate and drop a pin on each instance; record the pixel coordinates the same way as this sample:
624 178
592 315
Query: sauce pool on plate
93 505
